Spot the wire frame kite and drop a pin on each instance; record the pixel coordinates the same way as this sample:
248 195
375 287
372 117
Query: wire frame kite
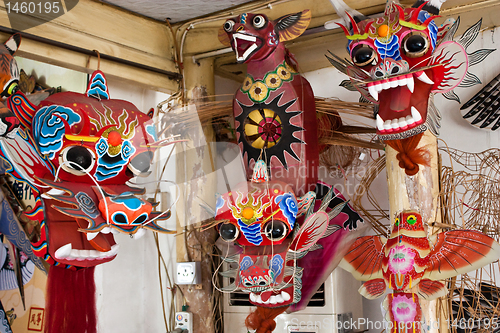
470 199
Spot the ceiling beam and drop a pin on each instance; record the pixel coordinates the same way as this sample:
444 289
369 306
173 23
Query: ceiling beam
144 45
309 50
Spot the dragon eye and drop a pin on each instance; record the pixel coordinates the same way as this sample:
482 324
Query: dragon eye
363 55
275 230
13 87
77 160
396 221
411 219
140 164
10 89
228 232
228 26
415 44
259 21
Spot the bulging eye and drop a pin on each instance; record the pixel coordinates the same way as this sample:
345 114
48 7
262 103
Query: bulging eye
396 221
228 232
275 230
141 163
259 21
11 88
415 44
228 26
411 219
77 160
363 55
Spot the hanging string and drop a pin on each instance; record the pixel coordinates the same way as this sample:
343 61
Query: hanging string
98 60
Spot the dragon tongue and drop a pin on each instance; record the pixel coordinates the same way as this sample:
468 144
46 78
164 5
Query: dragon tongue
400 98
266 295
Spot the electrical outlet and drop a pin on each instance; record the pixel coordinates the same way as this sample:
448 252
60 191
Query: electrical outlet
184 321
189 272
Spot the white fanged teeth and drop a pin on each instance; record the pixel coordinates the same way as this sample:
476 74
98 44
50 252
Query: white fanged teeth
93 254
423 77
51 193
55 191
106 230
275 299
141 232
75 254
67 252
250 49
394 124
63 251
114 249
409 120
402 122
84 253
385 84
380 123
387 125
415 114
91 235
374 88
410 83
373 91
245 37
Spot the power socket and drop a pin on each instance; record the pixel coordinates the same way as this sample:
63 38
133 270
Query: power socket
184 321
189 272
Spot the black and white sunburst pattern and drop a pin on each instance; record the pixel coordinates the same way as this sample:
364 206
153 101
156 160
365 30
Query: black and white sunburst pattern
282 141
474 58
485 106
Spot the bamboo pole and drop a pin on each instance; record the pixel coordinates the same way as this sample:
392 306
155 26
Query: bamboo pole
421 193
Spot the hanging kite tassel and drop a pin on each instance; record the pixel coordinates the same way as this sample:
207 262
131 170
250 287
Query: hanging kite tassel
262 319
260 174
409 156
70 304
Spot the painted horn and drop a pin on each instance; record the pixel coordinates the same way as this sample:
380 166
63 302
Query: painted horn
343 10
432 6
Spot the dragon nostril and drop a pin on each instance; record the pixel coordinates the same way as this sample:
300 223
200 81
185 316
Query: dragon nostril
240 28
395 70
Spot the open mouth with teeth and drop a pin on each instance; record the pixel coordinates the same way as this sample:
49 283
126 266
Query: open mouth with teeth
63 243
271 280
76 231
274 298
245 45
403 102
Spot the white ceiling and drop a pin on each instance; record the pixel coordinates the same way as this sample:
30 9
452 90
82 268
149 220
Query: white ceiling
175 10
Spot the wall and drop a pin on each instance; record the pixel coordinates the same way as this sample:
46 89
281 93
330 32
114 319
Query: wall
128 287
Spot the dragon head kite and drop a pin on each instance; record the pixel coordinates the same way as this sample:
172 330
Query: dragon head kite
400 60
77 151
